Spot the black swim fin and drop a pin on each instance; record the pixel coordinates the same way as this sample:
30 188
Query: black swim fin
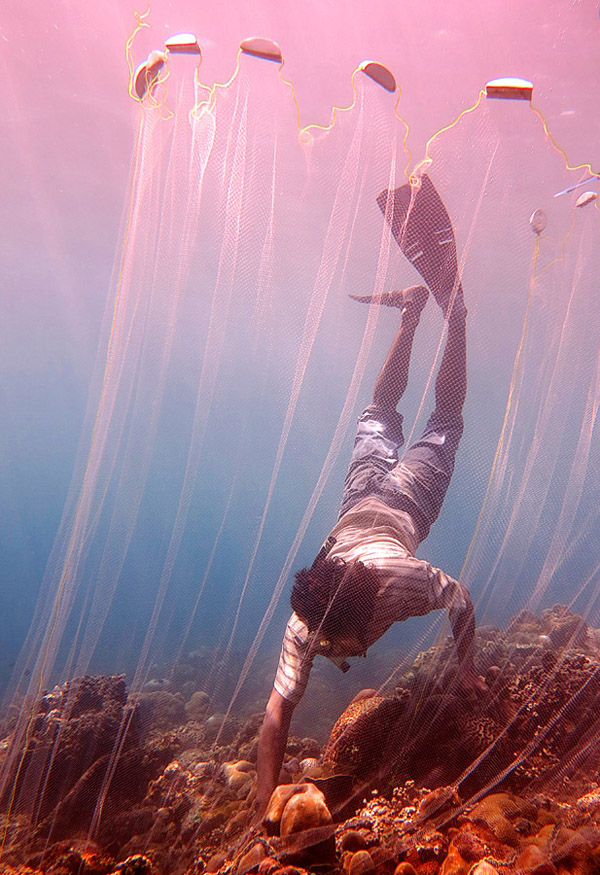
423 231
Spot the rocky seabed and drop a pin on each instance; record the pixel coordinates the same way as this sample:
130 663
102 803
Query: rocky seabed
414 781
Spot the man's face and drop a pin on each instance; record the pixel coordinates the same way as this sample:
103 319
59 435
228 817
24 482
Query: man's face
342 646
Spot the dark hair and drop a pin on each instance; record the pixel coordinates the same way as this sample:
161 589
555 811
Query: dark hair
335 597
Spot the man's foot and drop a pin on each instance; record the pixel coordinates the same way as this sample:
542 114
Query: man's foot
410 300
423 231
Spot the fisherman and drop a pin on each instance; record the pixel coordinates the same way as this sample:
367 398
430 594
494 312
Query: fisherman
366 576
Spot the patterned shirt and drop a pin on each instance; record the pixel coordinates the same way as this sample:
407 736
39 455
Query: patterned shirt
382 538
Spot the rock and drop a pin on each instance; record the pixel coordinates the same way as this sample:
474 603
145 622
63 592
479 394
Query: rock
306 809
251 859
309 848
288 770
213 725
279 799
561 847
239 776
492 674
484 868
268 866
207 770
352 840
454 864
545 817
215 862
77 857
435 801
345 859
237 823
405 868
310 747
469 846
138 864
310 767
284 793
430 846
367 693
590 803
198 706
361 863
67 864
533 859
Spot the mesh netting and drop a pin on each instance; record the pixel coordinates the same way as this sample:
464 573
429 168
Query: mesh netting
232 367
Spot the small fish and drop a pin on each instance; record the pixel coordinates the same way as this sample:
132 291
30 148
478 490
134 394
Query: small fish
439 798
577 185
156 684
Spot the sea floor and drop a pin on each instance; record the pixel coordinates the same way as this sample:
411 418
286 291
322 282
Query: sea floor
418 780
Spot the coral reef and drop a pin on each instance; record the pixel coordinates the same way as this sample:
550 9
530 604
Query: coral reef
537 722
420 781
67 768
69 743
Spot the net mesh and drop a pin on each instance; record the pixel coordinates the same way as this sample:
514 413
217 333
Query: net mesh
230 373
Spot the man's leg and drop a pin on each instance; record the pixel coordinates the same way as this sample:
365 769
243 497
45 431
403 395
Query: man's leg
423 230
423 474
393 376
379 430
451 381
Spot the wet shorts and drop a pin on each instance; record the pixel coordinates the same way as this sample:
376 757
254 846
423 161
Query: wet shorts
415 483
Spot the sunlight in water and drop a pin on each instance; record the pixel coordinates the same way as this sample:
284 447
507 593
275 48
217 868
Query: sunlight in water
232 365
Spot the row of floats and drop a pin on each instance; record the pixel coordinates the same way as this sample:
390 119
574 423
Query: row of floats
146 74
504 88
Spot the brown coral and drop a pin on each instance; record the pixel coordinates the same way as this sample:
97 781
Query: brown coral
356 739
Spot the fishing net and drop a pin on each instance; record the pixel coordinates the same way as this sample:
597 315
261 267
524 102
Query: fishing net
231 370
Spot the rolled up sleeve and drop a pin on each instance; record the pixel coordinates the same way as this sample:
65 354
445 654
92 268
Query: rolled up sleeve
295 661
412 587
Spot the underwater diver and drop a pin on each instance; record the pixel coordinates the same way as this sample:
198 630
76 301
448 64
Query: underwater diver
366 576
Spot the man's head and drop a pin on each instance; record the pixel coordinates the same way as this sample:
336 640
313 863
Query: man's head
336 599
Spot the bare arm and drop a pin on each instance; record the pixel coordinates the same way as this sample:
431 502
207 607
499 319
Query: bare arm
292 676
271 748
462 620
420 588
